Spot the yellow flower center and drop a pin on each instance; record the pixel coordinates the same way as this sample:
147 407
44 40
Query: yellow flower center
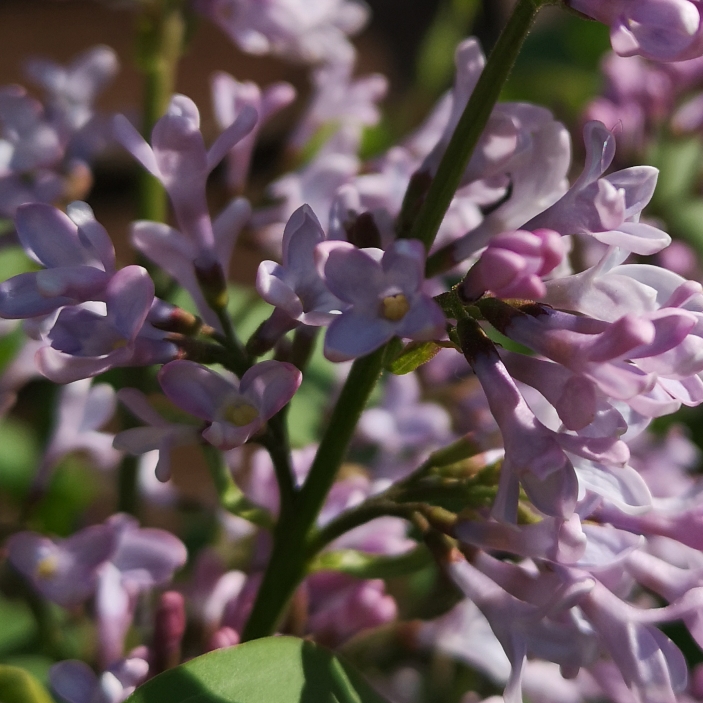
241 414
395 307
47 567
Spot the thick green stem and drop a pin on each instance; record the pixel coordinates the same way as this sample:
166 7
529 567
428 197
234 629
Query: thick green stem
470 127
288 560
161 33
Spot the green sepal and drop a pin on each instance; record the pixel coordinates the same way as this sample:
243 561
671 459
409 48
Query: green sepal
416 354
372 566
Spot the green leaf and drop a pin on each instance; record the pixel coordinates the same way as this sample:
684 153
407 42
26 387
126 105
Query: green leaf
19 686
415 354
268 670
372 566
18 625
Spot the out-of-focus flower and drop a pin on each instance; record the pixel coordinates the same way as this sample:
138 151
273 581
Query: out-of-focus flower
234 410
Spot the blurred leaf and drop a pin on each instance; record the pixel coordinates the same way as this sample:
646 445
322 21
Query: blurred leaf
72 489
435 61
19 686
36 664
415 354
686 220
19 456
18 625
9 346
268 670
14 261
372 566
679 164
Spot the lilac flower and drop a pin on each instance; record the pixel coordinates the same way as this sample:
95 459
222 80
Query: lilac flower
404 427
663 30
315 185
291 29
30 152
73 89
178 158
71 93
64 571
338 100
606 208
82 409
523 627
75 682
160 435
85 343
229 98
114 562
76 251
295 286
175 252
142 559
384 293
234 410
512 265
342 606
638 96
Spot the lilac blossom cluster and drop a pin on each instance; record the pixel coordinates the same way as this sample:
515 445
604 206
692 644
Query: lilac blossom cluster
530 343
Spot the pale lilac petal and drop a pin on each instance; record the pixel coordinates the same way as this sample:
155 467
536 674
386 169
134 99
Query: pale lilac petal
352 335
245 122
126 134
130 294
270 384
194 388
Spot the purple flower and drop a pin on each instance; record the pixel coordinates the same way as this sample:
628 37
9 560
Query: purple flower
76 251
340 101
85 343
295 30
663 30
82 410
71 93
295 286
607 208
512 265
75 682
63 571
229 98
175 252
31 150
178 158
383 291
234 410
160 434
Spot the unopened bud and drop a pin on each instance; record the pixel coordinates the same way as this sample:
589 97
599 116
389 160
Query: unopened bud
169 626
212 281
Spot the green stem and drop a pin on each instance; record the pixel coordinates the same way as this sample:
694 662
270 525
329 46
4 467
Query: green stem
231 497
239 359
288 560
276 442
470 126
161 33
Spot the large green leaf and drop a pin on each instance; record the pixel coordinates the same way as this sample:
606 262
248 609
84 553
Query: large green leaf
19 686
269 670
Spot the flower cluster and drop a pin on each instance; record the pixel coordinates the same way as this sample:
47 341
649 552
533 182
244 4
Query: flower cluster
527 344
